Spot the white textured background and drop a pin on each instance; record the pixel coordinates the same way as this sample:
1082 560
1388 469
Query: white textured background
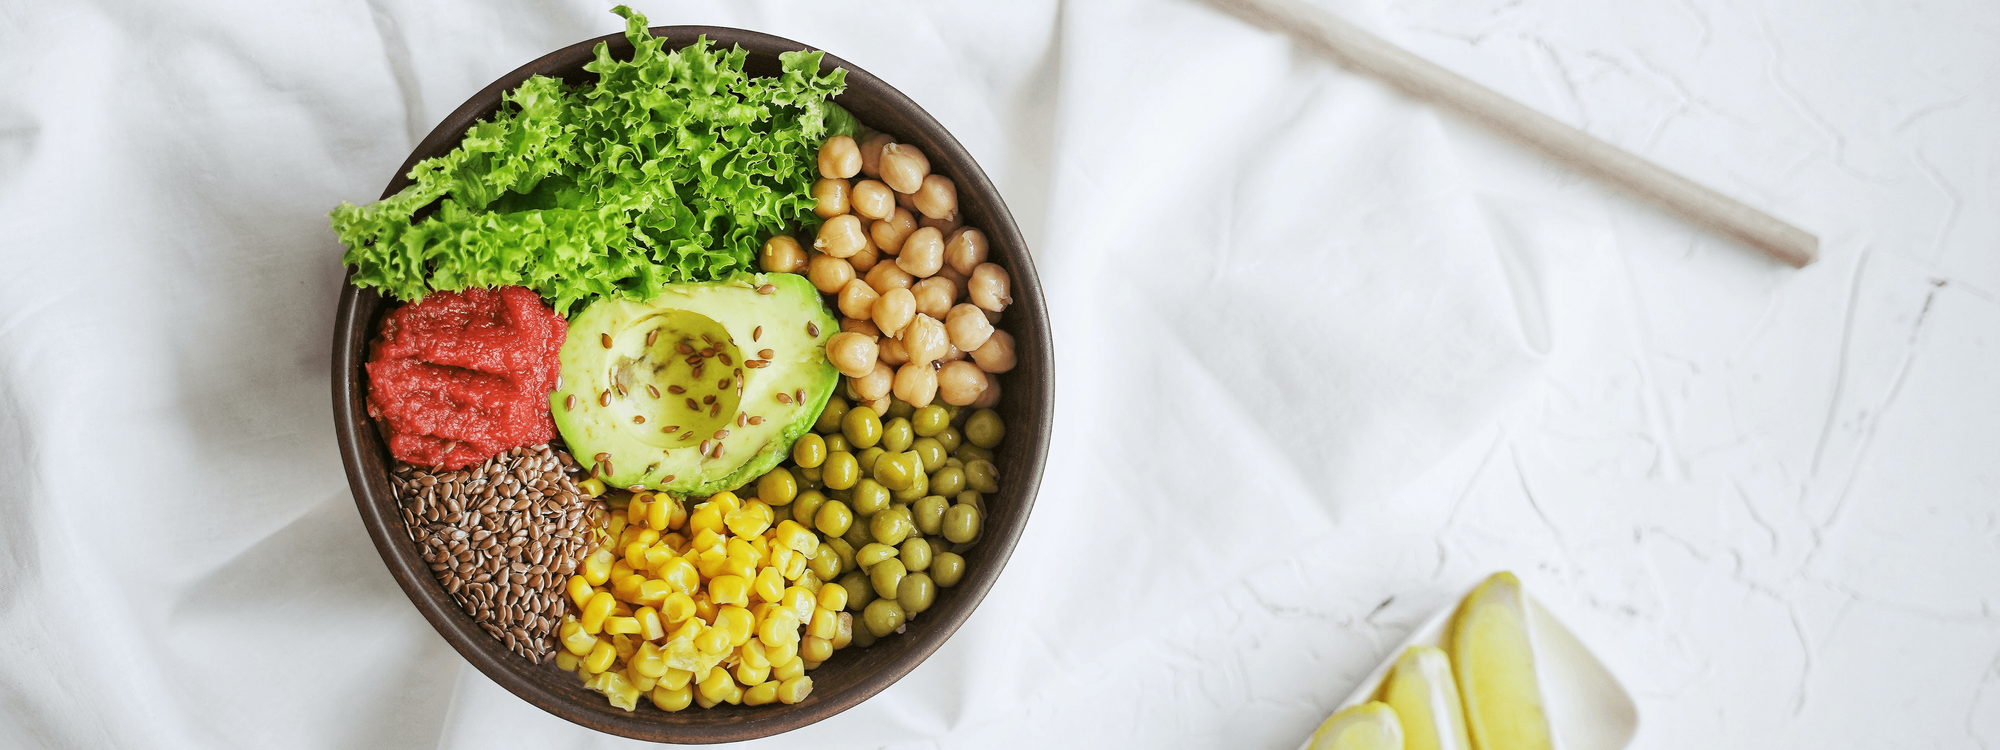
1326 358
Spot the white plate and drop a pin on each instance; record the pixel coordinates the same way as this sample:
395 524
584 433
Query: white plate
1588 708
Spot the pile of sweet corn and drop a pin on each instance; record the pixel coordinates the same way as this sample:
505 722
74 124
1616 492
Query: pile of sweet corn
714 606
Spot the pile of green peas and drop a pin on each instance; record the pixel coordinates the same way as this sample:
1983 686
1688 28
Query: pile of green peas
897 497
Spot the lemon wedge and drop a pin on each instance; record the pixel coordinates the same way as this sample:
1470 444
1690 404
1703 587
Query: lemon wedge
1495 664
1369 726
1421 689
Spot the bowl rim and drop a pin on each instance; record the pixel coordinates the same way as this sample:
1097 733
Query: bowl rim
1025 457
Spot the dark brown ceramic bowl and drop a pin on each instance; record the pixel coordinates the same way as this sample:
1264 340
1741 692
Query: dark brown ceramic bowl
854 674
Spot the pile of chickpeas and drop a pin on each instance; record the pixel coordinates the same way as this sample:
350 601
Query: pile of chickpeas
893 255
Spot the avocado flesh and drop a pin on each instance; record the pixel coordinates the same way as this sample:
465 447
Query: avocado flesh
615 413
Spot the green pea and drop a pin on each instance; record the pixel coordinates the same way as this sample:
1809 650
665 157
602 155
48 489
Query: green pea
844 550
780 514
896 435
892 527
868 459
899 408
777 487
920 486
810 478
972 498
887 575
840 471
894 472
834 519
961 524
870 497
946 569
806 508
860 591
809 451
862 638
929 514
862 428
916 593
930 420
982 476
866 558
930 452
825 562
858 535
949 480
970 453
916 554
845 496
836 442
829 418
984 428
950 439
882 617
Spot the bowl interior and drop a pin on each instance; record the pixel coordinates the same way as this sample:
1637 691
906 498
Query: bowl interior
854 674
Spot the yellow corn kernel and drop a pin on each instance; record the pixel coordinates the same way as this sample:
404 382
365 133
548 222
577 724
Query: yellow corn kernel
815 649
707 517
591 487
675 679
743 548
844 634
794 568
689 630
575 639
620 568
795 689
760 694
623 694
737 622
728 500
735 694
595 681
635 556
621 625
812 665
624 646
674 698
752 653
710 567
703 607
620 609
649 661
677 607
635 509
744 567
713 641
781 555
600 658
729 589
801 602
751 676
659 512
627 586
780 627
788 669
680 574
763 546
781 654
638 680
825 623
746 521
769 586
676 540
703 701
810 581
651 627
832 598
597 567
657 555
645 536
567 661
713 685
579 590
594 612
615 525
653 592
797 537
708 539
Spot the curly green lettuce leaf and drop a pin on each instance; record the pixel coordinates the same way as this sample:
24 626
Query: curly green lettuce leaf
672 167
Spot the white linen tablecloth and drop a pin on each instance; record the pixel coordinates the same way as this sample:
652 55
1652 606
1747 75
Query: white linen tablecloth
1325 357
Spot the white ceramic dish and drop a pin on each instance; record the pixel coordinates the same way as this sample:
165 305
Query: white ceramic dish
1588 708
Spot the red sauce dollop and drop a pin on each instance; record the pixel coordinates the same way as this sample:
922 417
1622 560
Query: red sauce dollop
458 377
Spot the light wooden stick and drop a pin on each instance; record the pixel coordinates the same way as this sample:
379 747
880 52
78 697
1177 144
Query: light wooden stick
1366 53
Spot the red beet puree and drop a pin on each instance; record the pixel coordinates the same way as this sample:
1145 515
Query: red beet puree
459 377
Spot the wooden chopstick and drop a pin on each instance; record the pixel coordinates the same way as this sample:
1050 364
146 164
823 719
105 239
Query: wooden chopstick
1366 53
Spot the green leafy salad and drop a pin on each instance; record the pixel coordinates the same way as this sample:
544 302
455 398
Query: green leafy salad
673 167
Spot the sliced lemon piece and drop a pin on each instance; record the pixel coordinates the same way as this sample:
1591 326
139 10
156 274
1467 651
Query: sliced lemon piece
1495 664
1369 726
1425 696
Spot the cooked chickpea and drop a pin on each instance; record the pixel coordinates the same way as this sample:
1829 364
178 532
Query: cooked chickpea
988 287
781 254
957 279
861 326
951 351
904 167
871 153
840 237
853 354
894 309
894 353
925 340
916 384
829 274
935 296
831 197
988 398
937 197
867 259
945 226
890 233
964 250
960 383
967 326
839 158
923 253
997 354
887 276
857 299
876 383
872 200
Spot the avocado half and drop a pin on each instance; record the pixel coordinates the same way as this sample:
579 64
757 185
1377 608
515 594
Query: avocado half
639 400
